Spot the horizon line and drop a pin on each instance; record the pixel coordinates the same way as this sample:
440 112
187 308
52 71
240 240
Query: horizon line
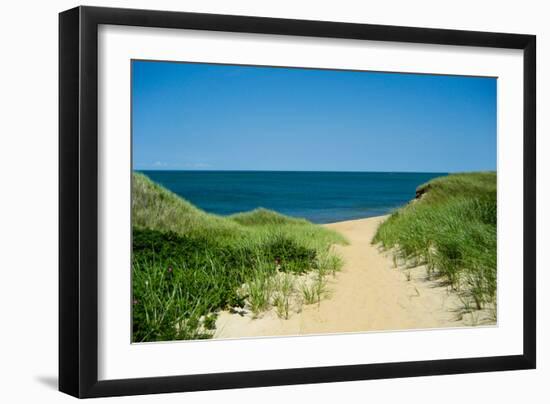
311 171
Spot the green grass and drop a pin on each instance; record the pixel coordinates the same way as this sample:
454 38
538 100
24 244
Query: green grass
188 264
282 298
450 228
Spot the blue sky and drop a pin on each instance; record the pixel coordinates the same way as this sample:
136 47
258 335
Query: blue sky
221 117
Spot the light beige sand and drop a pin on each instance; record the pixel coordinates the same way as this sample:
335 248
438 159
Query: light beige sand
369 294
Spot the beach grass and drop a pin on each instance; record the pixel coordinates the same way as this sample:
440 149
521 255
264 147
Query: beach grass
451 229
188 264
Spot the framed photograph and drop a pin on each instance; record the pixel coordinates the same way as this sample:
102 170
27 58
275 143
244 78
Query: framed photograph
250 201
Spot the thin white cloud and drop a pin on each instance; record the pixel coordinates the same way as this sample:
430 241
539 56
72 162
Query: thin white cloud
191 166
200 165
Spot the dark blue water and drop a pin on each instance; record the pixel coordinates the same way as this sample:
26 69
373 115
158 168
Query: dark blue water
321 197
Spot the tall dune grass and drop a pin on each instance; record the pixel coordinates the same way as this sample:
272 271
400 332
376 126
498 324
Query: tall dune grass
450 228
188 264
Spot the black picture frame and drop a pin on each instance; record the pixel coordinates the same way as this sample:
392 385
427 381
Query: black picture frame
78 201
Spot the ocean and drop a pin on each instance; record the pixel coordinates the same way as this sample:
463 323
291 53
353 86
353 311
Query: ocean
321 197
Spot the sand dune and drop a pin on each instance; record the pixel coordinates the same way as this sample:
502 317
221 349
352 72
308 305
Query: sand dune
369 294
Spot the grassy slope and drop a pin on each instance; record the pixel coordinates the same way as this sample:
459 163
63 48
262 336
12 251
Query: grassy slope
451 228
187 263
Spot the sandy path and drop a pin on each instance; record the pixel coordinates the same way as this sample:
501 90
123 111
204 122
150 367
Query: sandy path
368 294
